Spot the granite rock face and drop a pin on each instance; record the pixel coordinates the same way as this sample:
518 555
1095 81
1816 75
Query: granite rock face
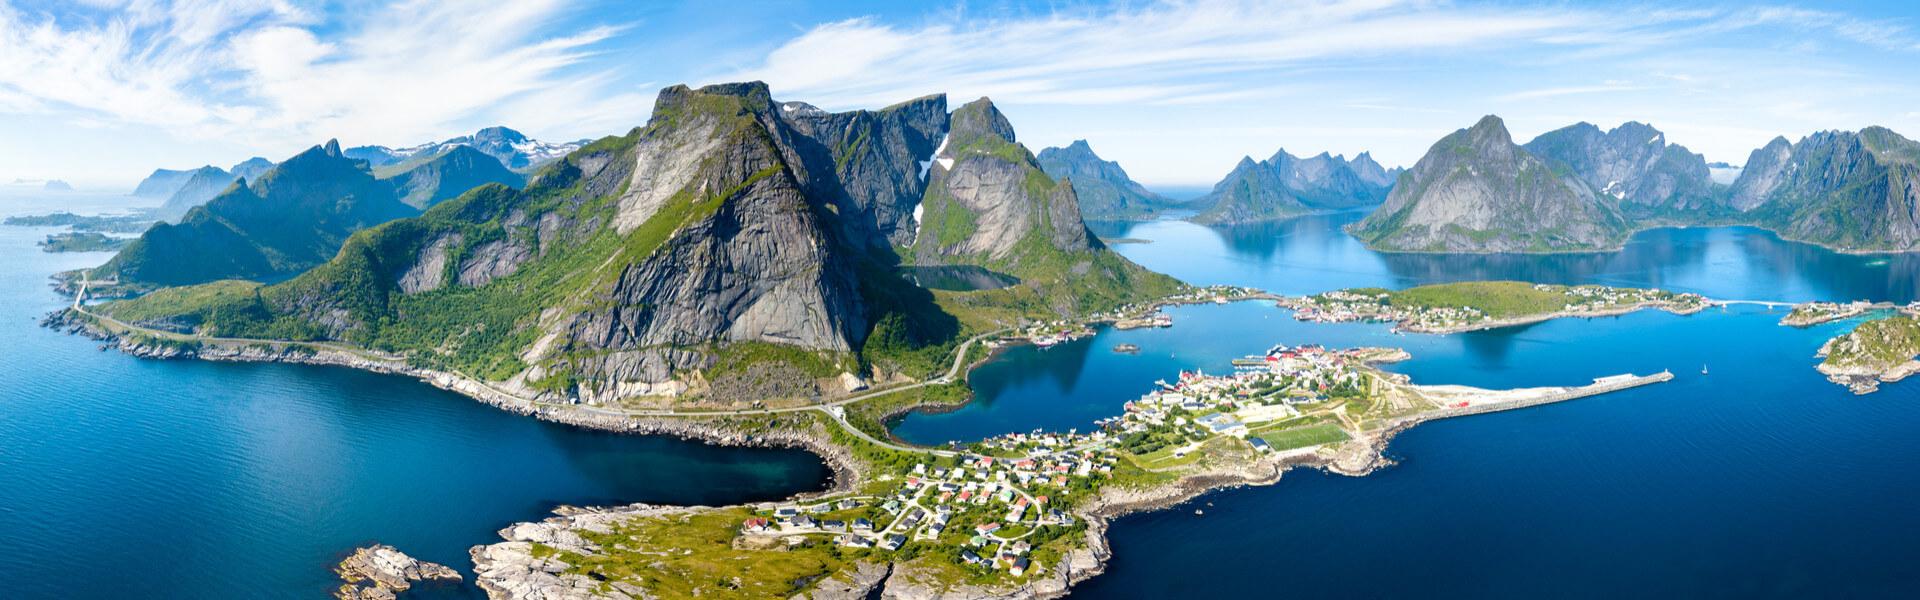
878 161
1284 186
1104 190
382 572
1857 191
1633 163
988 196
1476 191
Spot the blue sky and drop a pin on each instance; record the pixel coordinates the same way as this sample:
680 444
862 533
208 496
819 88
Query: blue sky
101 91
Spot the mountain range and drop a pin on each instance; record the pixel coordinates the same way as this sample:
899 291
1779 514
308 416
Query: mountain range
1478 191
1106 192
1285 186
730 229
511 148
1581 189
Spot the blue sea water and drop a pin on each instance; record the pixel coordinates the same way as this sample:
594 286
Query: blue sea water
123 477
130 478
1760 479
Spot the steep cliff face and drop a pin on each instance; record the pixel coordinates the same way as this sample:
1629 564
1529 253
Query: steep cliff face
205 183
1852 191
1285 186
712 247
1104 190
296 216
1633 163
163 183
450 173
1476 191
989 199
878 159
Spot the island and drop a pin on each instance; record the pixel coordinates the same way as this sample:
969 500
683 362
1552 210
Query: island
82 241
1478 305
1022 515
1808 314
1874 352
131 223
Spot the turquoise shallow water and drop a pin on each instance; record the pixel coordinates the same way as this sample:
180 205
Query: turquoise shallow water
122 477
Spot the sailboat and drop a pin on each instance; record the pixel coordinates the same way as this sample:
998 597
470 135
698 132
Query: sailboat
1703 368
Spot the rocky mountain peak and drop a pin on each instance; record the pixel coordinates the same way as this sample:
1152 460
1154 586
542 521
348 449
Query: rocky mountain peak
499 133
1489 130
978 121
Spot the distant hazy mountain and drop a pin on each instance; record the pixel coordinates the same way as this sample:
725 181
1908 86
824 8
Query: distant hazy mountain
252 168
1852 191
1105 190
1285 186
428 179
510 147
204 183
162 183
292 218
55 185
1634 164
1477 191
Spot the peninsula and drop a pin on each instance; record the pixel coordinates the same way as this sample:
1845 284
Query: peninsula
1477 305
1016 516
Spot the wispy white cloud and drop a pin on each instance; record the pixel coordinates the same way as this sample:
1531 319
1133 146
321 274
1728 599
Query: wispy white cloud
1556 92
1166 52
269 74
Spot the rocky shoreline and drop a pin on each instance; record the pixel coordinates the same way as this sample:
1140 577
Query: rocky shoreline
1542 318
509 569
382 572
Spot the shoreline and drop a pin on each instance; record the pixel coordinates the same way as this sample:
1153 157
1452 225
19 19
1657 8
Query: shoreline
508 569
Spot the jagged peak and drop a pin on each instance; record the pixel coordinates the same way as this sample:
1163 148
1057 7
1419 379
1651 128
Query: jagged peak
938 99
500 132
753 96
332 147
978 120
1490 127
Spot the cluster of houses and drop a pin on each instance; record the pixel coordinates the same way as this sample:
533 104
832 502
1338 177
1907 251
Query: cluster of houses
1262 389
988 505
1350 306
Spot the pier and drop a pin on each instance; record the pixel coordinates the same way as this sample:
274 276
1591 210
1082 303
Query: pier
1603 385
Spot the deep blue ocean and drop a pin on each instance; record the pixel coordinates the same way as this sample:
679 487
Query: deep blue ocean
130 478
124 477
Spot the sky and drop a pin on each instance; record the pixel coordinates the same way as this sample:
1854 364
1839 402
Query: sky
100 92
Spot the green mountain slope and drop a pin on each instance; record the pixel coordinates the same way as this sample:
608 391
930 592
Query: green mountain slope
427 180
1104 189
706 255
294 217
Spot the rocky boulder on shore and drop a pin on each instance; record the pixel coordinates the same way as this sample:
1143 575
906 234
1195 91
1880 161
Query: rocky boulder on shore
381 572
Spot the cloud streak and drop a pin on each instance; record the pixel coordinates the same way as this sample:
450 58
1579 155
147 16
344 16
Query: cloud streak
268 74
1185 52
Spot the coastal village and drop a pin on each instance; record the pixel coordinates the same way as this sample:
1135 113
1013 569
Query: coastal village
1450 308
990 508
1130 316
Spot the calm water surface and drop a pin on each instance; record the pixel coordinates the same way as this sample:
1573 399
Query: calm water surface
1759 480
122 477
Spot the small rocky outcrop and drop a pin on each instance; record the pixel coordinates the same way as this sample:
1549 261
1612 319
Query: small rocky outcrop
382 572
